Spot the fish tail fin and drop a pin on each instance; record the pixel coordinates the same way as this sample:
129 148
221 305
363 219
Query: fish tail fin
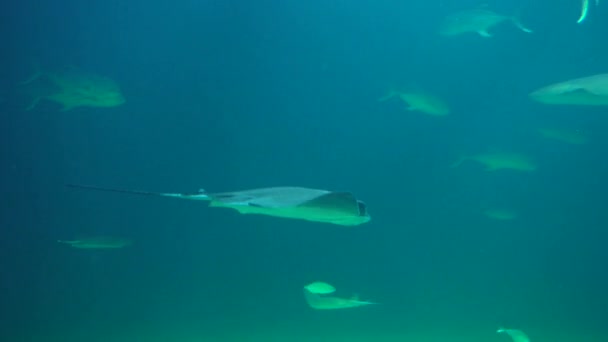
517 22
458 162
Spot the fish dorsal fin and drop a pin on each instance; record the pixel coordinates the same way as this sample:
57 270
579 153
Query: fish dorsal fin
343 201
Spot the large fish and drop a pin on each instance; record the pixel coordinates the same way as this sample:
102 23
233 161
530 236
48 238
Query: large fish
340 208
494 161
71 88
320 302
477 21
588 91
419 101
100 242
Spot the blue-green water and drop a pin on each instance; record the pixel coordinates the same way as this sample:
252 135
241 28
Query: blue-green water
229 95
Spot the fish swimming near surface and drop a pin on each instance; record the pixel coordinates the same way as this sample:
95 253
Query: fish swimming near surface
494 161
419 101
586 91
72 87
321 302
340 208
478 21
516 335
572 137
101 242
319 287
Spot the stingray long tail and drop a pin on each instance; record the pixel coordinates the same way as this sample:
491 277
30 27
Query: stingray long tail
519 25
200 195
458 162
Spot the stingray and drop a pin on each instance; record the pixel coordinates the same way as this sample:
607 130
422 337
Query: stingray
340 208
588 91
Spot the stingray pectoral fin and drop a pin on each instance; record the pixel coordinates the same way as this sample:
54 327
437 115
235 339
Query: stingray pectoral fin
335 201
484 33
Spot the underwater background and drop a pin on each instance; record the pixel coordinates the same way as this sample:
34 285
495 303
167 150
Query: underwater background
229 95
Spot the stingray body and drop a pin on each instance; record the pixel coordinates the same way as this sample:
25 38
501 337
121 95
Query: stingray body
72 88
586 91
320 302
478 21
572 137
103 242
516 335
340 208
320 288
500 161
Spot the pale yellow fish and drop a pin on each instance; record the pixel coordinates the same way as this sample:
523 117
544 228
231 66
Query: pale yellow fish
494 161
420 101
573 137
586 91
72 87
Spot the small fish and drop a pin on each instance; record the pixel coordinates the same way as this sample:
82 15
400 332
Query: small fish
479 21
340 208
585 91
319 287
320 302
572 137
516 335
500 214
72 88
419 101
500 161
103 242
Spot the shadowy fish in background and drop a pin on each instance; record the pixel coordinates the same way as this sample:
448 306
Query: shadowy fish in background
100 242
494 161
572 137
501 214
516 335
320 302
585 91
421 101
72 87
340 208
478 21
